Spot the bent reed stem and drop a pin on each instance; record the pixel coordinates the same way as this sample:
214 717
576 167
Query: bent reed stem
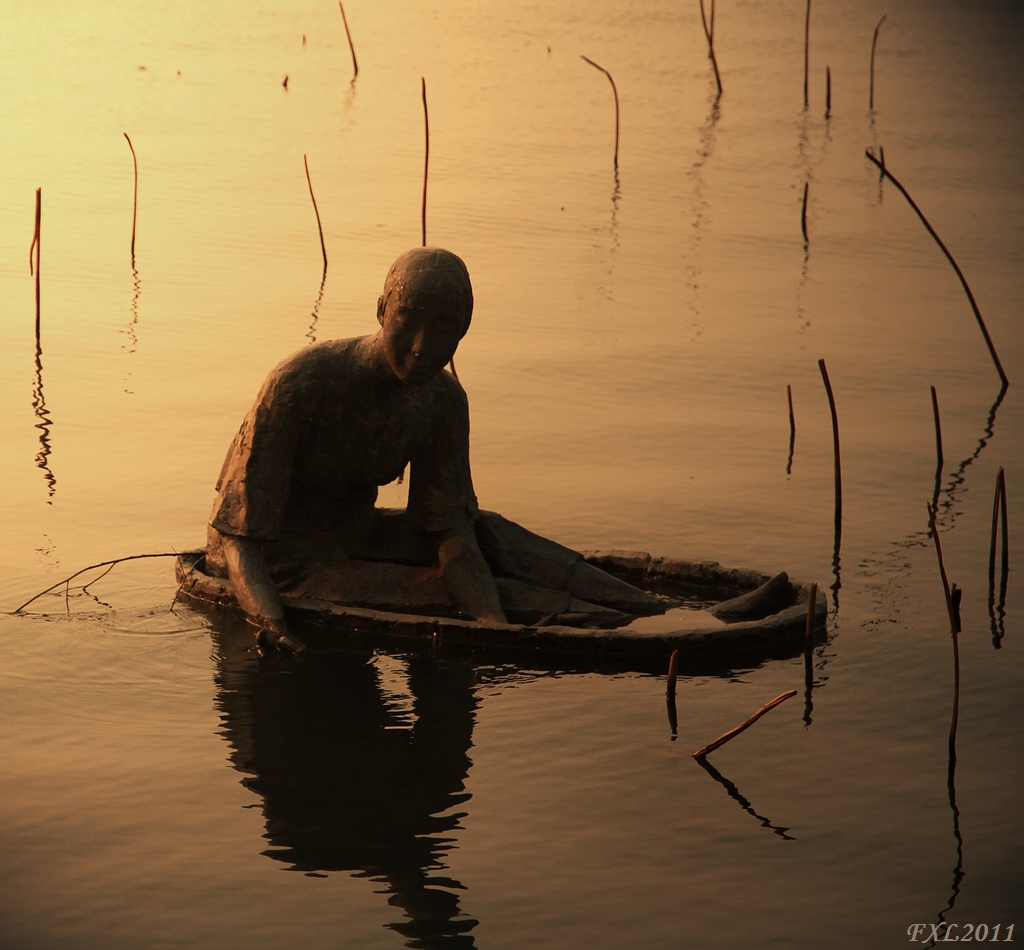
945 250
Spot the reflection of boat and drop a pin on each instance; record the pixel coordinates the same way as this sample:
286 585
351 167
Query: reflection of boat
712 612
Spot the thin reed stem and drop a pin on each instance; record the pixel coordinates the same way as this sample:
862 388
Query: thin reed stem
33 265
874 44
807 50
835 441
945 250
316 211
135 193
732 733
351 48
615 92
828 92
709 35
426 160
792 429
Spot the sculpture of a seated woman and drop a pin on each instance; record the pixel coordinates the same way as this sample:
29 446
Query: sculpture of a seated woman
295 510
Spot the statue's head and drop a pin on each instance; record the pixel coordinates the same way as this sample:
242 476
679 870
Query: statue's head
424 312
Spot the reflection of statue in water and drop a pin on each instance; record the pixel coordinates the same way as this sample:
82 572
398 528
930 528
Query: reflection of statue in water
348 785
295 507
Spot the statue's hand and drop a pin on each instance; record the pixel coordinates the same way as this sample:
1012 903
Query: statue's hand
273 635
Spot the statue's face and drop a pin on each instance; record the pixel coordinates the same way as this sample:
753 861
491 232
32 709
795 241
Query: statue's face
420 335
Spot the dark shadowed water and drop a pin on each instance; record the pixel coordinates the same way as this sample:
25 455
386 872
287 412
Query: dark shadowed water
634 336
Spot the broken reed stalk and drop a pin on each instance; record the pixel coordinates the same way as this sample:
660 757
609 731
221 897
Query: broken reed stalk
803 214
938 427
835 441
426 160
709 35
351 48
871 84
959 273
135 193
732 733
807 47
91 567
316 211
828 91
615 92
999 516
33 265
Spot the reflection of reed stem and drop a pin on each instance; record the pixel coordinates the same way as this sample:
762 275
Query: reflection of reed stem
803 213
812 602
135 194
996 609
670 691
807 46
954 620
871 85
426 160
352 49
734 793
999 516
732 733
949 257
709 35
615 92
316 211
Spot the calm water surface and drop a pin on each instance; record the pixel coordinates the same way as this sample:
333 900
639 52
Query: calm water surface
634 336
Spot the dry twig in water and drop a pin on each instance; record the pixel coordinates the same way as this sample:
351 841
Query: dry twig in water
91 567
732 733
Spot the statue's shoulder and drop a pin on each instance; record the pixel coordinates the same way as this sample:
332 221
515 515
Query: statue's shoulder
324 361
447 392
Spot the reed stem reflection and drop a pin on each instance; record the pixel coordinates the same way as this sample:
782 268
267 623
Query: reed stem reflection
42 458
734 794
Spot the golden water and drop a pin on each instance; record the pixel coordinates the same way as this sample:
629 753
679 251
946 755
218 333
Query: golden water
627 367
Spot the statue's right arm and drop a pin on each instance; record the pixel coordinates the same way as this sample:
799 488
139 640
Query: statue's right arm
256 593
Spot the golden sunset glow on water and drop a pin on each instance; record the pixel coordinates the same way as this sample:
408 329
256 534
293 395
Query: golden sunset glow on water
634 335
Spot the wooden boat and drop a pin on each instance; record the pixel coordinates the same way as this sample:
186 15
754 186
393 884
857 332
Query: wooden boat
712 612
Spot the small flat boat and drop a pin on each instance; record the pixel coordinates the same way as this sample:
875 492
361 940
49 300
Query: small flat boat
712 613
